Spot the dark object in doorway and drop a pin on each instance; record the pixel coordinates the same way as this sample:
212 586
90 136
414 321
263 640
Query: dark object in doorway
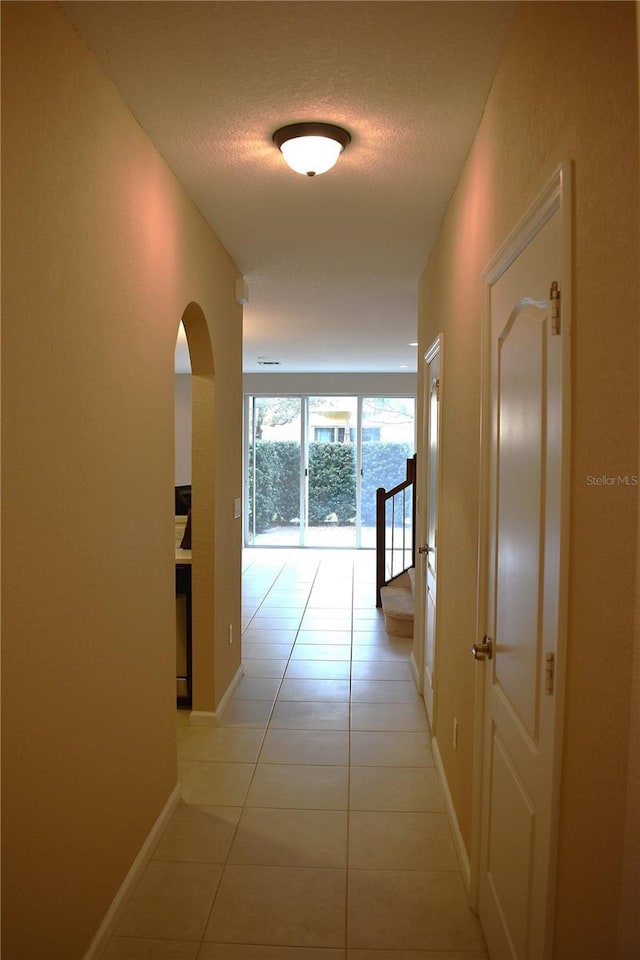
185 543
183 500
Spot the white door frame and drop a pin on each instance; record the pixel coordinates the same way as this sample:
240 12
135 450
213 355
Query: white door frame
422 521
435 350
556 195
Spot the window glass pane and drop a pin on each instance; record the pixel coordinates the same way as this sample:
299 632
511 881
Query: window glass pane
388 440
274 477
331 511
337 504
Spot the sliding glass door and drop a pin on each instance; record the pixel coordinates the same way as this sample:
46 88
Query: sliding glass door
313 464
273 458
388 431
331 471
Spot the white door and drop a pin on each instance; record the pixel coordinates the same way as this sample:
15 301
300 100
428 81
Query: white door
430 548
524 601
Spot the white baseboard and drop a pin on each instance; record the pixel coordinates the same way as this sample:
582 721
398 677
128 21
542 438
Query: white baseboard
209 718
461 850
229 692
112 916
417 679
203 718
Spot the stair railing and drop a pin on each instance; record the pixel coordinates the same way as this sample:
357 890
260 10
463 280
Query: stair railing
395 529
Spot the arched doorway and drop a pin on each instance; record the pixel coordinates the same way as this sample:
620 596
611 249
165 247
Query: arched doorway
202 506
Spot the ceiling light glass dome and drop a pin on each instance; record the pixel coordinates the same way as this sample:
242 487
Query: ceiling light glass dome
311 148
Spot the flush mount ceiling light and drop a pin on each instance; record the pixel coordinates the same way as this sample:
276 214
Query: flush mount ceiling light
311 148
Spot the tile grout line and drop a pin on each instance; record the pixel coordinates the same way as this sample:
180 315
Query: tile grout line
243 804
348 839
224 865
319 579
262 741
268 726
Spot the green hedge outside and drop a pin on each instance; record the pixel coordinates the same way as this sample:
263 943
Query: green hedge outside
332 481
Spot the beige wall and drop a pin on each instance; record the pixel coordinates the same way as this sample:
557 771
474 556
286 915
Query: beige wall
183 428
566 88
102 253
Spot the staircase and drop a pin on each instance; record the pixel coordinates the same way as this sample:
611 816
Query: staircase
395 550
398 604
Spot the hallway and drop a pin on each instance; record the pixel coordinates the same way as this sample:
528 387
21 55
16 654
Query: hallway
312 825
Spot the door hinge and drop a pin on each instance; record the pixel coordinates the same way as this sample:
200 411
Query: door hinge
554 301
435 387
549 671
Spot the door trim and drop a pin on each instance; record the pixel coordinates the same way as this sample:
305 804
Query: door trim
433 351
556 196
422 521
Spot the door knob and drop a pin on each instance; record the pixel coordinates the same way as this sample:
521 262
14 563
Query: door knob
484 650
425 549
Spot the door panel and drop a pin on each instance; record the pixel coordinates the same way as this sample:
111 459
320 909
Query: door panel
274 469
522 619
387 442
512 812
331 488
432 420
519 535
429 650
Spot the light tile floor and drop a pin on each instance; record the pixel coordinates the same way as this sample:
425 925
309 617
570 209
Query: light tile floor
312 825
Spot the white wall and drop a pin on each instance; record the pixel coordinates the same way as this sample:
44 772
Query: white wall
338 384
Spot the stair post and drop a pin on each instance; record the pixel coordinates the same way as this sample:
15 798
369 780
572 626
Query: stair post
381 526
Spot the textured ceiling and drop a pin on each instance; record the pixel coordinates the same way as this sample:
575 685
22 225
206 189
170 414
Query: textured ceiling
332 262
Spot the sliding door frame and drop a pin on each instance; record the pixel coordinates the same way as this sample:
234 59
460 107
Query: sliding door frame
305 441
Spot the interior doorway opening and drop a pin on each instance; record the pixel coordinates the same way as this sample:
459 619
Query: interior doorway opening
182 519
313 465
194 493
